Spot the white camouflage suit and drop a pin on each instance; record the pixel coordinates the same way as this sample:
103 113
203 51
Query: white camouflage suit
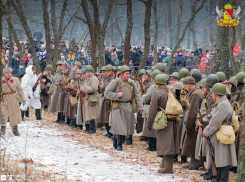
27 83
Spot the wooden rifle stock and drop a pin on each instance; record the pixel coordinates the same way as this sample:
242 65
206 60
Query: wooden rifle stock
39 78
210 148
141 86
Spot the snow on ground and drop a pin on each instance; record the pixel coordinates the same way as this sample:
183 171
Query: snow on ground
53 152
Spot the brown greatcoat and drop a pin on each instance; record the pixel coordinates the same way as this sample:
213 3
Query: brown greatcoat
63 99
201 142
10 103
122 119
44 96
54 91
106 103
90 87
167 138
225 154
195 96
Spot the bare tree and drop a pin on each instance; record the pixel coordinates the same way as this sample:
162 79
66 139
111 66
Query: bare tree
128 31
1 43
147 33
183 35
180 7
192 27
19 12
156 31
170 37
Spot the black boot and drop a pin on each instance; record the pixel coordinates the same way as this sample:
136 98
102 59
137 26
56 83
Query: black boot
183 159
119 142
108 134
129 140
22 115
152 144
114 139
92 129
58 117
143 138
87 128
68 121
27 113
38 114
210 176
73 123
80 127
62 120
175 158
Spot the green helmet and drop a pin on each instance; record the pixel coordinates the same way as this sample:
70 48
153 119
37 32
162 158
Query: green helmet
160 66
195 70
204 76
78 64
233 80
89 68
212 79
160 79
109 67
240 77
155 73
124 68
103 68
141 72
202 83
148 72
166 76
59 63
153 68
49 67
118 68
184 73
78 71
221 76
175 74
219 89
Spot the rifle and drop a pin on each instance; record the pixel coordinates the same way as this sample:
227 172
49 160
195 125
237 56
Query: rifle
141 86
36 84
81 102
210 148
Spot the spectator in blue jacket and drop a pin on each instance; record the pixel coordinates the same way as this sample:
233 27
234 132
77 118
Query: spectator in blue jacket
15 65
180 60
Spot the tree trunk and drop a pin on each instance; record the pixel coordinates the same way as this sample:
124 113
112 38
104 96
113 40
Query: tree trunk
147 33
180 7
1 43
235 71
183 35
222 43
210 26
128 31
156 32
11 51
189 39
170 37
101 53
47 32
243 54
192 27
22 18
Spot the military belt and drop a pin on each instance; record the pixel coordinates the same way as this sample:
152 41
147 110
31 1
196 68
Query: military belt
9 93
124 101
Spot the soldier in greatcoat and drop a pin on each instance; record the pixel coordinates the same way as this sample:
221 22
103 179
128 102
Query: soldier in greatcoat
91 104
122 118
167 138
105 102
224 154
194 102
12 94
54 90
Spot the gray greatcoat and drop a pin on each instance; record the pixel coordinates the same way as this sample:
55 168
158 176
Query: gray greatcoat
54 91
79 120
167 138
122 119
195 100
91 85
146 100
225 154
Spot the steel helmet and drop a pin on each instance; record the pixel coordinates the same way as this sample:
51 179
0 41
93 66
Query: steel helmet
160 79
124 68
160 66
141 72
240 77
109 67
59 63
49 67
219 89
232 80
155 73
221 76
175 74
89 68
103 68
184 73
212 79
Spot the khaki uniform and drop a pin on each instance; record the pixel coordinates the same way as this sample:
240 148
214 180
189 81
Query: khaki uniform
189 145
44 96
167 138
79 120
10 101
122 119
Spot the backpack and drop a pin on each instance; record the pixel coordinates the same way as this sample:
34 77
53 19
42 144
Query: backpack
173 107
183 96
234 120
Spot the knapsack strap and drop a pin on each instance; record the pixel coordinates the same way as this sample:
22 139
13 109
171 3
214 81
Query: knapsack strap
161 109
9 86
119 85
132 95
177 85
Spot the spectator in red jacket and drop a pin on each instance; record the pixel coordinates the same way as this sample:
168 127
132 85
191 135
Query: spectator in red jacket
236 48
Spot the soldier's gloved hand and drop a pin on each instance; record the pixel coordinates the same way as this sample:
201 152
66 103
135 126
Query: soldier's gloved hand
33 89
23 103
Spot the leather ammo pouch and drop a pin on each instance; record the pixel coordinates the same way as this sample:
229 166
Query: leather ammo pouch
74 101
114 102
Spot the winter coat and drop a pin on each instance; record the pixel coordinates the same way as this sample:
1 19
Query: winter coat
225 154
15 66
44 96
180 60
108 58
122 119
115 63
90 86
120 55
79 120
136 59
167 138
238 96
106 103
195 96
10 102
190 63
166 59
146 100
54 91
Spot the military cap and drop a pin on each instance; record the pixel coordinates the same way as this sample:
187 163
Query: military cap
189 80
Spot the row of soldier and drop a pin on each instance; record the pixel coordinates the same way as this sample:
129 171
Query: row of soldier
113 98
